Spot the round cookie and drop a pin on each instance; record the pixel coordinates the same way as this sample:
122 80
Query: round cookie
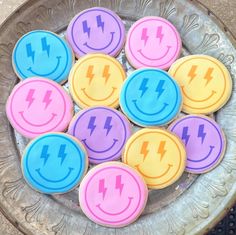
96 30
96 80
38 105
158 155
150 97
113 194
43 54
153 42
205 82
204 142
54 168
103 131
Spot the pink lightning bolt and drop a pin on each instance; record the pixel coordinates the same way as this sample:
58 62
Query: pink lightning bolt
119 185
102 188
47 99
144 36
159 33
30 97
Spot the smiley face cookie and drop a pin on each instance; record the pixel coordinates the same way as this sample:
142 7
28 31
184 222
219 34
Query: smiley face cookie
96 30
113 194
96 80
43 54
153 42
103 131
54 168
158 155
204 142
150 97
205 82
37 105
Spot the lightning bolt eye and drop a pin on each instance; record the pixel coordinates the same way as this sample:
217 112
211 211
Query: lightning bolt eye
119 185
30 97
143 86
100 23
159 88
108 125
201 133
161 149
192 73
185 135
101 188
45 46
159 33
208 75
144 36
62 153
106 73
30 52
90 73
86 29
47 99
44 154
91 125
144 151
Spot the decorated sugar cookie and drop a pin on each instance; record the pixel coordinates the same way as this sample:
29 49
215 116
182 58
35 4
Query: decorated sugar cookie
96 79
158 155
153 42
54 168
96 30
204 142
205 82
38 105
103 131
113 194
43 54
150 97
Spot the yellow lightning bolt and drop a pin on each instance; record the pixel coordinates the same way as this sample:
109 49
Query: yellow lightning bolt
208 75
106 73
90 73
144 150
161 149
192 73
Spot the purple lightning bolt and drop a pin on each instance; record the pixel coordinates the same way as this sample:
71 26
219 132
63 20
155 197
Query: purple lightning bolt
91 124
45 46
47 99
108 125
159 88
144 36
30 52
62 153
119 185
100 23
86 29
30 97
159 33
201 133
143 86
185 135
102 188
44 154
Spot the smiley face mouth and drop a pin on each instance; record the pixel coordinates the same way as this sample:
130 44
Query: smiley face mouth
196 100
70 169
204 158
102 48
37 125
118 213
154 59
150 114
154 177
46 74
97 100
97 151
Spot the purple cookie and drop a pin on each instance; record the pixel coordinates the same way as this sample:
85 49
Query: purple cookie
103 131
204 141
96 30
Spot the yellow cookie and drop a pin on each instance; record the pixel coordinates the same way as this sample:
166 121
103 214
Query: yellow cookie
205 82
158 155
96 79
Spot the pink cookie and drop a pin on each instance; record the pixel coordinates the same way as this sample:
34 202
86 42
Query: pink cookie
113 194
153 42
38 105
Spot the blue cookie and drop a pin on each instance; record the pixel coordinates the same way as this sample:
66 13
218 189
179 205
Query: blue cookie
43 54
150 97
54 163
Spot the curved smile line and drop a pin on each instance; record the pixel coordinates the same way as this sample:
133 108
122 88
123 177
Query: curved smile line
113 90
195 100
103 151
37 125
97 49
114 214
209 153
154 177
150 114
148 58
46 74
54 181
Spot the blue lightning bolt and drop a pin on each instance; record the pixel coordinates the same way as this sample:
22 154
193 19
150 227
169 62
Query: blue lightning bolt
108 125
160 89
91 124
62 153
44 154
86 29
100 23
201 132
45 46
30 52
143 86
185 135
